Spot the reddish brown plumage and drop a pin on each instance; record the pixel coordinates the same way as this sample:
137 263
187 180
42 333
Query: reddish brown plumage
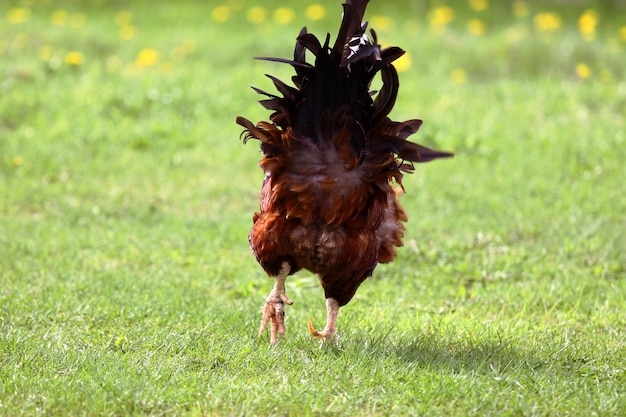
331 155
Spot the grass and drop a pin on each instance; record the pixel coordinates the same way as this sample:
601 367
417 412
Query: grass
126 198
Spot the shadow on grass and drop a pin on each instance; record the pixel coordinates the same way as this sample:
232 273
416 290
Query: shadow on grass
483 357
451 353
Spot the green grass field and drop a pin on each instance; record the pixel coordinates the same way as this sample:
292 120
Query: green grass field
126 283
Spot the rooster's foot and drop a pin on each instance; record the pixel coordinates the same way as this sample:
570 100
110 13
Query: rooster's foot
274 309
330 331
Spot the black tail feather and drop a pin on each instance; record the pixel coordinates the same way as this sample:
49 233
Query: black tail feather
333 93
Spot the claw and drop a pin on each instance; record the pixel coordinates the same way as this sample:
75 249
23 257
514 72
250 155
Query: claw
325 334
330 331
314 332
285 299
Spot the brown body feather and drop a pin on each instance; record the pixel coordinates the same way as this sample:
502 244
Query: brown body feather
331 155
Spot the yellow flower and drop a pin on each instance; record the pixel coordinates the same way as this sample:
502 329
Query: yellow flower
256 15
147 57
381 23
479 4
17 161
58 17
583 71
458 76
403 63
74 58
547 22
284 15
520 8
587 23
220 14
123 18
476 27
18 15
622 33
127 32
315 12
440 17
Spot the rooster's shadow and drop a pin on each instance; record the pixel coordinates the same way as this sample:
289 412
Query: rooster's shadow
445 353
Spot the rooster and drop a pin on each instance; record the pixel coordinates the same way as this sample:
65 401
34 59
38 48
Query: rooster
331 156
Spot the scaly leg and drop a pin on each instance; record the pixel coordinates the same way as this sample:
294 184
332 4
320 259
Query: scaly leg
274 309
332 309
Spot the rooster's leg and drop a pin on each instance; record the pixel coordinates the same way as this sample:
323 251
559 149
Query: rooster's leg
332 308
274 309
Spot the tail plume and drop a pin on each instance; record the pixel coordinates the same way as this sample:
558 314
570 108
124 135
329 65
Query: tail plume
333 95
